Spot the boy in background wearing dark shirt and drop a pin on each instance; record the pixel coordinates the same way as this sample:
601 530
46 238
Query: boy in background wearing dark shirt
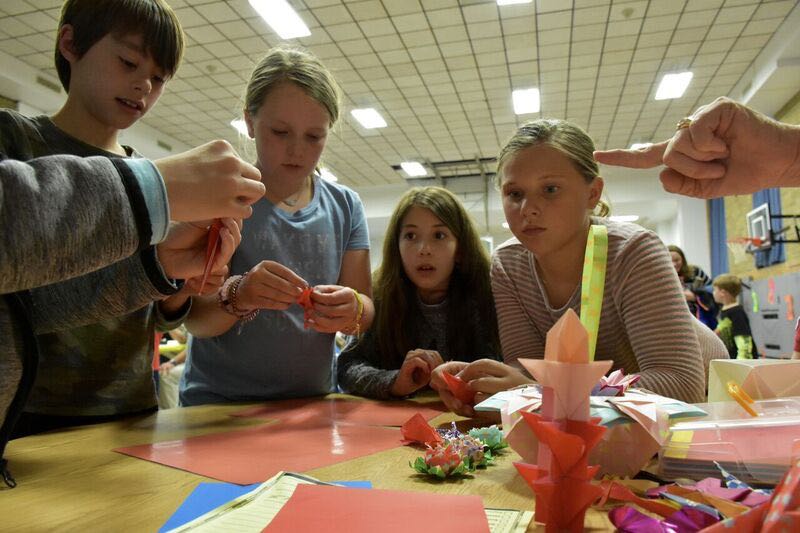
733 327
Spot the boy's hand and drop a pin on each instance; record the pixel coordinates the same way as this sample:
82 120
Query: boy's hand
210 181
183 253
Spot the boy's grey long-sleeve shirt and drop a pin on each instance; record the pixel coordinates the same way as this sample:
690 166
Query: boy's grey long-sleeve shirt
46 239
95 332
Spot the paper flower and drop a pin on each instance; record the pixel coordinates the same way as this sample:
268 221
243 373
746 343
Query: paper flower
491 437
441 461
614 384
473 451
450 434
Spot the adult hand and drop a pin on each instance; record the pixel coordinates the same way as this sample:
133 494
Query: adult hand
183 253
210 181
727 149
269 285
335 308
415 372
438 383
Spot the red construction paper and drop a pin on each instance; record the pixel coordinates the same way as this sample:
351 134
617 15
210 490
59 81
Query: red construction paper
771 291
256 454
316 508
212 247
459 388
789 299
342 410
417 429
304 301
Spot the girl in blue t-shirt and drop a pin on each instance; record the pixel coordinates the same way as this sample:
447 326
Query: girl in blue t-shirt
433 299
252 341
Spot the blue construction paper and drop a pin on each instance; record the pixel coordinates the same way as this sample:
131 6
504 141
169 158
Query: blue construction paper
207 496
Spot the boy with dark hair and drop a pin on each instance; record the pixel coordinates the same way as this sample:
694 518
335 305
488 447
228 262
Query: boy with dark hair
63 216
95 346
733 327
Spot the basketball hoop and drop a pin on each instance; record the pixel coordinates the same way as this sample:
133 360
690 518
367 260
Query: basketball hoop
741 247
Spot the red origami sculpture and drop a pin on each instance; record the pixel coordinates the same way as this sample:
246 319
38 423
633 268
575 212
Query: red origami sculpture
562 479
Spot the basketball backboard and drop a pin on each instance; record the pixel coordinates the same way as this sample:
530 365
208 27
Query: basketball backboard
759 228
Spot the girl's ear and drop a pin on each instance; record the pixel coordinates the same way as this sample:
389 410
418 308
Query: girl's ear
66 43
248 120
595 192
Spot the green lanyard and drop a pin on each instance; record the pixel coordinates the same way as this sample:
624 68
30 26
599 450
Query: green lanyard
593 282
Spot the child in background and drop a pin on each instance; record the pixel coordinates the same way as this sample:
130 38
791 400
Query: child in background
250 341
114 59
796 351
550 185
696 288
433 300
733 327
170 372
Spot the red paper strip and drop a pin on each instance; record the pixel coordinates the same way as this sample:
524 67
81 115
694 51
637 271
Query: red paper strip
315 508
304 301
212 247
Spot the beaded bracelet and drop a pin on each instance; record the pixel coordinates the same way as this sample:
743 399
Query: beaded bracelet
227 295
355 328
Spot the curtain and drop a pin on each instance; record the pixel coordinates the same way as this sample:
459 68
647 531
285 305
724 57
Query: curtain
719 237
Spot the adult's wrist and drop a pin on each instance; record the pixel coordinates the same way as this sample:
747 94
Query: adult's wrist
793 146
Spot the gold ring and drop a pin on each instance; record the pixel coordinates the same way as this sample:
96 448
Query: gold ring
685 122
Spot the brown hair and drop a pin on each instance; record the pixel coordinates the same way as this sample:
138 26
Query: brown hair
565 137
92 20
469 290
730 283
686 272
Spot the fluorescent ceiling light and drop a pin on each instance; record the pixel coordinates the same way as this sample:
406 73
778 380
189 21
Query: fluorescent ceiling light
281 17
673 85
327 174
512 2
526 101
505 225
639 146
240 126
624 218
413 169
369 118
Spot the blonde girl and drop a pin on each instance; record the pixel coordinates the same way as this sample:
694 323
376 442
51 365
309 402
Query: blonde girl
252 341
550 186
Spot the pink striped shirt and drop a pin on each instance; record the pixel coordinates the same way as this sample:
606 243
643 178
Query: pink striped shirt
645 325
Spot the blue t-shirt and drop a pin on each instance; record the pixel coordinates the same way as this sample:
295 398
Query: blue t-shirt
273 356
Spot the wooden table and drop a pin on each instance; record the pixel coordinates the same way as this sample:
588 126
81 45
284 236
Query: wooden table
71 480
